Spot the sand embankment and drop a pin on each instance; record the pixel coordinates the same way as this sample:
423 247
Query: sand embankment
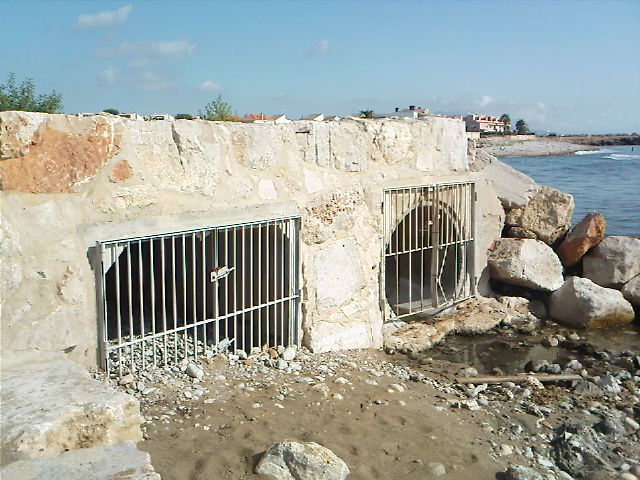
501 147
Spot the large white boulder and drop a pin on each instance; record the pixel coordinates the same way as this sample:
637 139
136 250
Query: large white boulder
631 291
548 214
613 262
580 303
527 262
51 407
302 461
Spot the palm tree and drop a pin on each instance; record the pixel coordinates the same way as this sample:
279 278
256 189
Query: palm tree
521 127
506 119
366 113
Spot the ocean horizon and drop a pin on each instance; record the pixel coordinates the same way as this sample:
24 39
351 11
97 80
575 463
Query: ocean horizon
606 180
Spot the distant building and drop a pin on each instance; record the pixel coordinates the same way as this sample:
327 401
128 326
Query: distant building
161 116
257 118
316 117
411 112
280 118
332 118
131 116
484 123
85 114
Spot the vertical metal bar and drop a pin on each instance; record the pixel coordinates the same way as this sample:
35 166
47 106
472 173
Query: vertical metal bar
163 292
103 328
436 247
141 298
266 272
174 296
250 278
185 277
116 265
259 286
153 300
194 290
236 276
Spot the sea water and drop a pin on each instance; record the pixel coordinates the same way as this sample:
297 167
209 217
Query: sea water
606 180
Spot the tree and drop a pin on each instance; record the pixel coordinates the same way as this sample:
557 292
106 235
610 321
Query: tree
506 119
217 110
23 97
184 116
112 111
366 113
521 127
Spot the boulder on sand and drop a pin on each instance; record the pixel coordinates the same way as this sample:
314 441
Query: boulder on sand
613 262
526 262
548 214
302 461
580 303
586 234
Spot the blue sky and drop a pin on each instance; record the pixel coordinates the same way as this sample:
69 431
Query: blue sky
565 66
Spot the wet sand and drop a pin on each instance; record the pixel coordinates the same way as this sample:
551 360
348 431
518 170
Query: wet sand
538 146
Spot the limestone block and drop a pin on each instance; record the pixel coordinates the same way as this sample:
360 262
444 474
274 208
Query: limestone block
122 461
519 232
49 408
10 266
312 181
613 261
17 130
339 273
330 212
302 461
581 303
63 152
631 291
586 234
267 190
526 262
548 214
514 188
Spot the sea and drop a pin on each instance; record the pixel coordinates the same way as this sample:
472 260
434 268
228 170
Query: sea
606 180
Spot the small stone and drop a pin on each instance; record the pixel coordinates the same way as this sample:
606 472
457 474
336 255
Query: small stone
289 353
256 405
626 476
194 371
435 468
282 364
504 450
573 336
550 342
126 380
341 380
630 424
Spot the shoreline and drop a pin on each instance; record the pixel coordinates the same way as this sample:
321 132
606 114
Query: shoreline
531 148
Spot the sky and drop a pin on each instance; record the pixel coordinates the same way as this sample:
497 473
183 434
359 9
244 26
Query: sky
570 67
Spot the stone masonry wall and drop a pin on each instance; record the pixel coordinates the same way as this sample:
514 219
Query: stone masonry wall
68 182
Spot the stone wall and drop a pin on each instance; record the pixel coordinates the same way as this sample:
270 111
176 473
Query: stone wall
69 182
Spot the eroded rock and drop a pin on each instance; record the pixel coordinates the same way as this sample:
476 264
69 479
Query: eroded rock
586 234
613 262
526 262
302 461
548 214
49 408
583 304
122 461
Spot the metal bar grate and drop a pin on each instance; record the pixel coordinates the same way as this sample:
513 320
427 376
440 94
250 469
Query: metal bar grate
428 236
168 297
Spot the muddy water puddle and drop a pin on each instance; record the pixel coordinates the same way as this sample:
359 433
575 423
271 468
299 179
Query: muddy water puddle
508 353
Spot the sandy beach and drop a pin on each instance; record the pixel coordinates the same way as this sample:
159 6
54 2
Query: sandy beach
537 146
391 417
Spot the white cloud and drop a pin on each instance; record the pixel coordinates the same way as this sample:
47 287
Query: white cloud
277 95
150 82
319 48
107 76
484 101
209 86
151 51
103 19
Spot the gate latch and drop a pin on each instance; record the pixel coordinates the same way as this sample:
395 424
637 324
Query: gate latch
220 272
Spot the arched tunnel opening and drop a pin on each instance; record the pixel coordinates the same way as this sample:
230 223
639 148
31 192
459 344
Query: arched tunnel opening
428 249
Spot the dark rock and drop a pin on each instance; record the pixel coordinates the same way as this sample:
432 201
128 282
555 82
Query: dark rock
585 388
579 450
610 427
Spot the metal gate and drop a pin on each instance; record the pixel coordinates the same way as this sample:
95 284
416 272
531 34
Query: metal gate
428 248
168 297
